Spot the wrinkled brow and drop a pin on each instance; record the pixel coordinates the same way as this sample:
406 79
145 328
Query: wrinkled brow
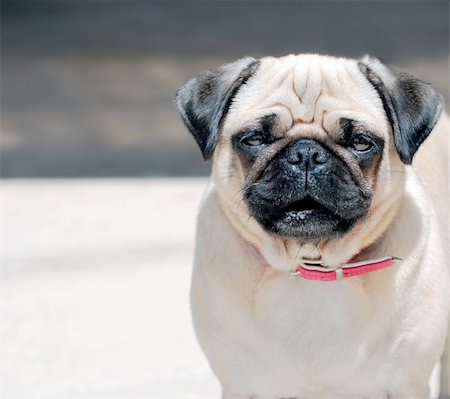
267 124
348 127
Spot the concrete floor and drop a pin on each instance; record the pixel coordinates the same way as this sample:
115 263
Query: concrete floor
94 290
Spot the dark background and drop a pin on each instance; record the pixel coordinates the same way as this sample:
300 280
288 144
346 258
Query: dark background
87 86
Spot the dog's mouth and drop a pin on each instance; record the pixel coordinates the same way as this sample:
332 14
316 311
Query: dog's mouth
306 218
304 206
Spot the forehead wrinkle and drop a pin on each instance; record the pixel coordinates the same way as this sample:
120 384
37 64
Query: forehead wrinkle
297 86
306 130
303 89
284 94
332 97
311 93
297 89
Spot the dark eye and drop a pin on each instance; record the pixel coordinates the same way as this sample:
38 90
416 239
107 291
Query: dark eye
361 144
254 140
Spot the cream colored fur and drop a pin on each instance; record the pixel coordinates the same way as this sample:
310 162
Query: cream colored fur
269 335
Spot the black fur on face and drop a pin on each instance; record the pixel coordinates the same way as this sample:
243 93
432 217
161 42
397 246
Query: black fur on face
307 189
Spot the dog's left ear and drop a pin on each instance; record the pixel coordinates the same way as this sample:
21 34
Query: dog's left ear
411 105
204 101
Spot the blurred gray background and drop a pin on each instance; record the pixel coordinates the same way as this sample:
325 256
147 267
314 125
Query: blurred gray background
87 86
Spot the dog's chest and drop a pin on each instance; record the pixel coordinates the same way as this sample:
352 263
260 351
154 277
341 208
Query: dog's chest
314 331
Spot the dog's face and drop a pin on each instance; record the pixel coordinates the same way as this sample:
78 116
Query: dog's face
308 146
308 186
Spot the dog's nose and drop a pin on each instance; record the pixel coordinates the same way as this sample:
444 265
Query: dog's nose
307 154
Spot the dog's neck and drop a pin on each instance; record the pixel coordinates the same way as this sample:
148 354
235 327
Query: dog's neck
285 254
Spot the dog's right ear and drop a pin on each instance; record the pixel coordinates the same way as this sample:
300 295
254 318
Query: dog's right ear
204 101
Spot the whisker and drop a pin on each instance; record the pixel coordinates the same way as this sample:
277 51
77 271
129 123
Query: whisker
318 249
397 171
242 192
365 220
300 246
315 247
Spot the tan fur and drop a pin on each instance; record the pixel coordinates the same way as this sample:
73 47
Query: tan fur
308 97
268 335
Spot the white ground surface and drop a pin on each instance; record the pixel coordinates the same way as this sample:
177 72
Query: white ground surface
94 290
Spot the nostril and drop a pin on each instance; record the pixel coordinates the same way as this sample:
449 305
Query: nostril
295 158
306 154
319 157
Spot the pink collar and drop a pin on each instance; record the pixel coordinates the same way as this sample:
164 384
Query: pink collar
314 269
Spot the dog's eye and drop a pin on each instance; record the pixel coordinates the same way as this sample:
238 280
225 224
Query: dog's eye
361 143
254 140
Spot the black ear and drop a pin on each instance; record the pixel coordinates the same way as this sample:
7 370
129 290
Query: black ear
204 101
411 105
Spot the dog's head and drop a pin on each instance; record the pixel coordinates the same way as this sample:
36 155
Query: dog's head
309 146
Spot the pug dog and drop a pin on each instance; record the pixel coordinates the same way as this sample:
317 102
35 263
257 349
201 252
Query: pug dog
321 265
